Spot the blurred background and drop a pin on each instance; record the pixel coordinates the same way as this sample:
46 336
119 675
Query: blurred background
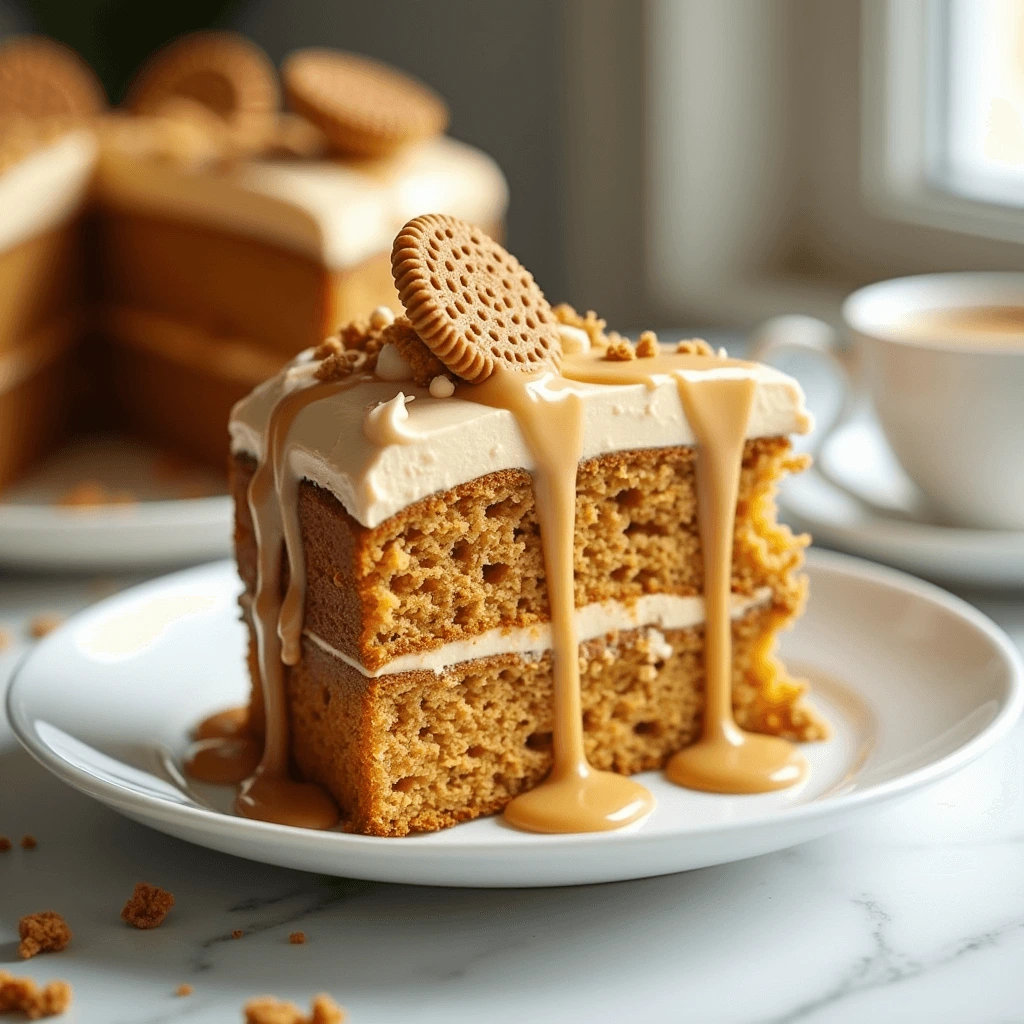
683 162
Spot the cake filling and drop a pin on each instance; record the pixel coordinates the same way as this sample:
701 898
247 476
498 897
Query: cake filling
652 611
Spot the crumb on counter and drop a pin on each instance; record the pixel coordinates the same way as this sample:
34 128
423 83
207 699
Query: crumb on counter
297 938
268 1010
6 638
184 990
45 932
23 995
44 623
237 933
5 844
147 907
28 841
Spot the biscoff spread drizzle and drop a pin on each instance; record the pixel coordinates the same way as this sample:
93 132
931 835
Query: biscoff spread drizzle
717 394
270 794
574 797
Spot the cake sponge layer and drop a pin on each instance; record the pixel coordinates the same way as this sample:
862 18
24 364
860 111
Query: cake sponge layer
422 751
457 564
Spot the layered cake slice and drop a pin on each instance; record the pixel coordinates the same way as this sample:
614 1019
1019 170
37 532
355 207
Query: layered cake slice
489 549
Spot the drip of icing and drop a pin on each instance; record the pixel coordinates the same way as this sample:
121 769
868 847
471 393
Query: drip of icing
717 403
269 794
386 423
725 759
225 751
574 797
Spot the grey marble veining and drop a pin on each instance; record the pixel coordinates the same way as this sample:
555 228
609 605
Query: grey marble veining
917 914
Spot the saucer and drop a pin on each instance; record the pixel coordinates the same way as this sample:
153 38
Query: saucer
106 703
858 499
159 529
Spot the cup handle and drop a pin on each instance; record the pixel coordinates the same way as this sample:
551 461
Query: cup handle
795 332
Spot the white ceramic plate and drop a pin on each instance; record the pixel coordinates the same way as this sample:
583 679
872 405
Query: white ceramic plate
861 501
915 682
159 530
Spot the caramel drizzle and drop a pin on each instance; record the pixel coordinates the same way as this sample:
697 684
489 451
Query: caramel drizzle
717 405
574 797
269 793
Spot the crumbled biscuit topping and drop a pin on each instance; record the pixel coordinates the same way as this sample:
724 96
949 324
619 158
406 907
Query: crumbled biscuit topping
591 323
619 350
147 907
694 347
647 347
425 366
23 995
45 932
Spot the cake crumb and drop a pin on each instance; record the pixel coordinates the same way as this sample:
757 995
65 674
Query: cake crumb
591 323
619 350
184 990
44 623
694 347
647 347
324 1010
147 907
297 938
25 996
28 841
269 1010
6 639
237 933
45 932
5 844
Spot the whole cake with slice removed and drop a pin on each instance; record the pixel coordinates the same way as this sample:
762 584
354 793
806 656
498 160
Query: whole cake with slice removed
495 557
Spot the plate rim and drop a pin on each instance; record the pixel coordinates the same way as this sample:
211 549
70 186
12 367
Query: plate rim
207 820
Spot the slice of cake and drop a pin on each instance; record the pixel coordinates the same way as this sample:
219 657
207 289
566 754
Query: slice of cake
420 501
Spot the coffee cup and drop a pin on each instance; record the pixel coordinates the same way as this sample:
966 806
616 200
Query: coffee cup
941 359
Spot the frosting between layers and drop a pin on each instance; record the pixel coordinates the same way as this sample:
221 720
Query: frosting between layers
337 213
653 611
450 441
45 189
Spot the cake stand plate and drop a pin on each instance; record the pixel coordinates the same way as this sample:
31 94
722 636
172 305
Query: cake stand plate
915 682
160 527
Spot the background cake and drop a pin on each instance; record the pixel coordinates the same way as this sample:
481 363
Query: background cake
422 693
187 247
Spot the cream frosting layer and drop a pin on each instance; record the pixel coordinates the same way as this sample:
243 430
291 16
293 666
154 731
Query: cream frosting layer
45 189
444 442
654 611
337 213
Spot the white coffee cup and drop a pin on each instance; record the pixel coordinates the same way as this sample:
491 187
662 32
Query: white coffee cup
951 408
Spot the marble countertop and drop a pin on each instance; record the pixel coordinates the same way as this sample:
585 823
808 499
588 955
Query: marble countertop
915 915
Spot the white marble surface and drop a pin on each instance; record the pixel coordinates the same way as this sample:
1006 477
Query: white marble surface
916 915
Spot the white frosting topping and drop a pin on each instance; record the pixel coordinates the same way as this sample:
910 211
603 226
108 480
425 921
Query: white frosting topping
45 189
440 443
387 423
339 214
664 611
